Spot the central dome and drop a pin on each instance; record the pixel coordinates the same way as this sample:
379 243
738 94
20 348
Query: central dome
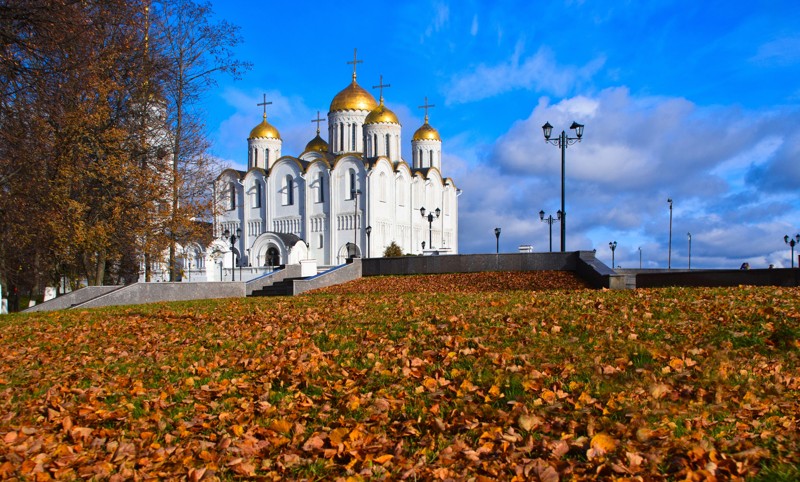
353 97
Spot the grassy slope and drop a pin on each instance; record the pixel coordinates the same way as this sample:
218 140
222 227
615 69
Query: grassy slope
660 383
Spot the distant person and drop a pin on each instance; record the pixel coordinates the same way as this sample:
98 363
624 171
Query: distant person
745 265
13 300
771 266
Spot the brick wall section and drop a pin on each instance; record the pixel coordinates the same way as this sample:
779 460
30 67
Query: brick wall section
720 277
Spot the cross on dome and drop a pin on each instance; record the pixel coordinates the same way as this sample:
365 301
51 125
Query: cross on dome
426 107
318 120
380 86
355 62
265 104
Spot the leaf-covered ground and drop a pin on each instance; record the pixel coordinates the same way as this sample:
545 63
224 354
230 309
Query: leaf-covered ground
645 385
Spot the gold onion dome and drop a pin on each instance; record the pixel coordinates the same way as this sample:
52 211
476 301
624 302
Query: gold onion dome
265 130
353 97
381 115
317 144
426 133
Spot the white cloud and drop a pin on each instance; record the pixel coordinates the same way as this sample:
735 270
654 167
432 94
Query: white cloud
539 72
473 30
781 52
441 15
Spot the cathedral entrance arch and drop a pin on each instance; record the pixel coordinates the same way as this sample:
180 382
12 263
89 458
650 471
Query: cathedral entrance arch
275 249
348 250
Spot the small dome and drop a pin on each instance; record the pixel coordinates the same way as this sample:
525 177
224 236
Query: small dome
353 97
381 115
317 144
426 133
265 130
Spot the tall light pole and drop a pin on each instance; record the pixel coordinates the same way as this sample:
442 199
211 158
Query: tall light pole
669 250
613 246
640 257
430 217
792 243
550 220
232 239
497 235
368 231
563 141
355 193
690 249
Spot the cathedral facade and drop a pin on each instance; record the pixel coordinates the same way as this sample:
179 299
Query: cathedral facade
350 195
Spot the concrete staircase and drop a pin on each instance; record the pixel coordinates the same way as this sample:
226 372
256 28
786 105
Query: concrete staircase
280 288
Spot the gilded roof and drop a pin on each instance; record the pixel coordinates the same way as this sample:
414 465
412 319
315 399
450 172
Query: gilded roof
265 130
353 97
317 144
426 133
381 115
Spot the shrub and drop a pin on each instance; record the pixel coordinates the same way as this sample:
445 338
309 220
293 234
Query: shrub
392 251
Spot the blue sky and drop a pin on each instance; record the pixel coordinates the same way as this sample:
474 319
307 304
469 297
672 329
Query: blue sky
697 101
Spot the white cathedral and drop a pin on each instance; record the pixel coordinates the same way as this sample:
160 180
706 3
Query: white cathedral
350 196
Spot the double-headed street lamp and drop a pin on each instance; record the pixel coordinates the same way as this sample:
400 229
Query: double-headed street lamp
792 242
430 217
232 239
497 235
669 250
613 246
563 141
550 220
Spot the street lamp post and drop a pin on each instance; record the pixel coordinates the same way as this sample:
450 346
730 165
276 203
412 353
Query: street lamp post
497 235
368 231
690 249
640 257
550 220
423 246
430 217
563 141
355 193
613 246
792 242
227 235
669 250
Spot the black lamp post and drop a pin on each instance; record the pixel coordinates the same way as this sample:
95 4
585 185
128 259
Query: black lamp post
423 245
232 239
690 249
613 246
355 193
792 242
550 220
563 141
669 250
430 217
497 235
368 230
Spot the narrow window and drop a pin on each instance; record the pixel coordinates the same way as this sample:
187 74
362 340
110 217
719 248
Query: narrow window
375 144
266 158
289 190
257 194
388 150
320 188
255 157
232 196
353 138
341 137
430 158
319 242
352 184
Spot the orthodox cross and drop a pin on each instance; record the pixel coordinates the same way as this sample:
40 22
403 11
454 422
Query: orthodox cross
381 85
318 120
426 107
355 62
265 104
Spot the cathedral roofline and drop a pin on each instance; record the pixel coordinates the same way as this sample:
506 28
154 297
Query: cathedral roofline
301 164
237 173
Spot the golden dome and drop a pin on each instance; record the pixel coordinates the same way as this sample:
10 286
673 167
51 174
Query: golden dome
317 144
381 115
265 130
353 97
426 133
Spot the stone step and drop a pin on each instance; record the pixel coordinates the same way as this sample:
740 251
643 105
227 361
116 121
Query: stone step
281 288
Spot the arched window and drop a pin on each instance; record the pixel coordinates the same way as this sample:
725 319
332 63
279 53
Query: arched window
257 193
255 157
388 148
351 184
341 137
382 187
320 187
288 190
375 145
232 196
353 138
